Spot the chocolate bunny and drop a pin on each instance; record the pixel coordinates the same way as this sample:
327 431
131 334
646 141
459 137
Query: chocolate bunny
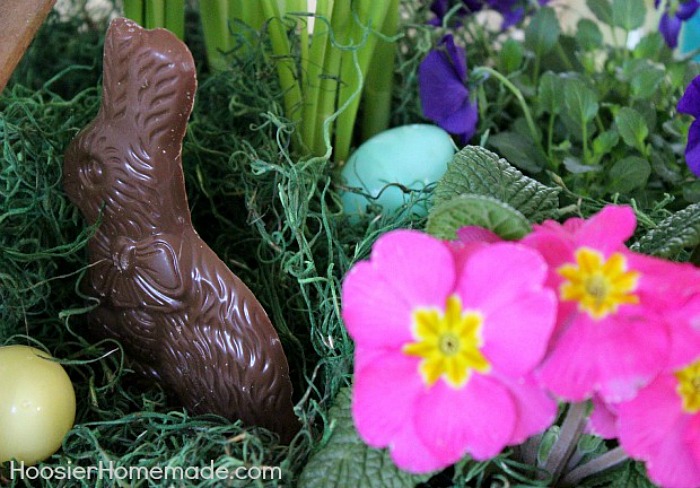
182 316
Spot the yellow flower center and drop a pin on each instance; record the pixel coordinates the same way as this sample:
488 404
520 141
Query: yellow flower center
689 387
599 286
449 343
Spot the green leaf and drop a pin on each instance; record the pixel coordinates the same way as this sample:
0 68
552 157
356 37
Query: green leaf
588 35
549 93
511 56
678 231
602 9
629 174
604 143
628 14
346 462
542 33
646 82
475 170
632 128
520 150
581 102
446 218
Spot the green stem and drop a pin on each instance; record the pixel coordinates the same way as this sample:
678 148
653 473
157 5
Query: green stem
175 17
134 10
354 65
155 14
601 463
340 26
313 81
564 446
380 78
518 95
214 15
286 70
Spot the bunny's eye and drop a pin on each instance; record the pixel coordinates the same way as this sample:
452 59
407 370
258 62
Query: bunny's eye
91 173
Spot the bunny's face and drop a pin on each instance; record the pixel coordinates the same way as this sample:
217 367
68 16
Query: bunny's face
126 163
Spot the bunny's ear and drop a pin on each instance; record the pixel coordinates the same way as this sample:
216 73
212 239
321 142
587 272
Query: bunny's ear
149 83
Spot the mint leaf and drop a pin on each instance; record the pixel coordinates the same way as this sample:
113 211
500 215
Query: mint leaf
628 14
445 219
678 231
475 170
346 462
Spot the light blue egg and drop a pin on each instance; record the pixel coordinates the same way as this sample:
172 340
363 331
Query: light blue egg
413 156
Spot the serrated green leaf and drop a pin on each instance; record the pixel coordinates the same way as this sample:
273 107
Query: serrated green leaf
628 14
346 462
549 93
475 170
629 174
632 128
445 219
602 9
520 150
674 233
543 31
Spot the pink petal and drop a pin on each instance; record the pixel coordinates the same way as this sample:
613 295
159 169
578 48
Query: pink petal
410 453
603 420
652 427
496 274
568 370
516 335
663 283
535 409
613 356
384 397
631 351
478 419
608 229
685 334
374 313
407 269
692 437
417 266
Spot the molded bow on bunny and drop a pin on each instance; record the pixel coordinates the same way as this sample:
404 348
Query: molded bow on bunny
182 316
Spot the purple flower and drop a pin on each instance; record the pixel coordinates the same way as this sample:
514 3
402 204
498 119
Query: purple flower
442 78
673 17
690 104
512 11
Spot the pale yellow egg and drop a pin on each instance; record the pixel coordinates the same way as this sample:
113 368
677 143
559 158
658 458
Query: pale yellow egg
37 404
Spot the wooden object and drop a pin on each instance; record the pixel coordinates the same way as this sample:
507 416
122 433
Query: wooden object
19 21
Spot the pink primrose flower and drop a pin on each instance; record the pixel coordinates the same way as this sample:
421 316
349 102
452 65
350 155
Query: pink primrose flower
603 419
446 339
614 332
661 426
